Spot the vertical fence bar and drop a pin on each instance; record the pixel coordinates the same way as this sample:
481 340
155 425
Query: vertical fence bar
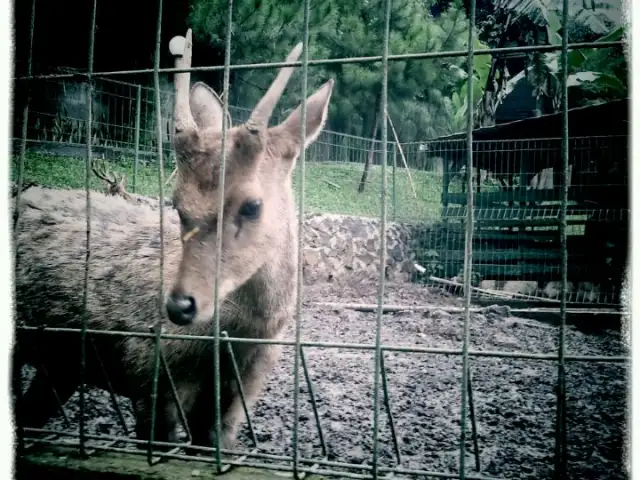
383 235
23 133
468 243
17 373
301 160
136 139
393 180
216 293
560 464
87 182
157 327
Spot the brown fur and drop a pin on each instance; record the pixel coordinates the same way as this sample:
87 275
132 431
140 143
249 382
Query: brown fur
257 275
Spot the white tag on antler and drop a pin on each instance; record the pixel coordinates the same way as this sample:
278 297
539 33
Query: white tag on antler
176 46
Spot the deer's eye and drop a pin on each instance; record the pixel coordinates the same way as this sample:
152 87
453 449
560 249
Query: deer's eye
250 209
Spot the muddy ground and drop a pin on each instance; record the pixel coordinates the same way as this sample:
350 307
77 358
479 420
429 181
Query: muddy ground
514 399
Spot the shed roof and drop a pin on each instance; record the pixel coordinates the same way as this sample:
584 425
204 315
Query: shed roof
611 118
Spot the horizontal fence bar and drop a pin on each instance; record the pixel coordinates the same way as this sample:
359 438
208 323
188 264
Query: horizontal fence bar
283 458
351 346
371 307
523 140
331 61
329 468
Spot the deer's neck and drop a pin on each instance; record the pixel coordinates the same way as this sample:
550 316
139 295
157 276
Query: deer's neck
268 298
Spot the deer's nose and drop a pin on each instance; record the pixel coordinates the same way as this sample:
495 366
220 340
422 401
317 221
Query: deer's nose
181 309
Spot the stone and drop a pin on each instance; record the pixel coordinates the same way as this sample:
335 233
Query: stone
311 257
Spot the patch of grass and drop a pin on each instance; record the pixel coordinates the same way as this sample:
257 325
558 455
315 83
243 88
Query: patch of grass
333 188
330 187
69 172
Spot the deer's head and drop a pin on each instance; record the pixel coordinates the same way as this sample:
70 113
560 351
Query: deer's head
258 203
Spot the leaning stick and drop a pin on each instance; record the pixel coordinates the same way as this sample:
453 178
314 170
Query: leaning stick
404 160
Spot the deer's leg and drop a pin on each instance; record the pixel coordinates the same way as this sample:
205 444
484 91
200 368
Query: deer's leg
165 428
253 379
201 416
168 418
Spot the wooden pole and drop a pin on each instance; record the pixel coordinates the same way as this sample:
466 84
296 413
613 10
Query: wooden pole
404 160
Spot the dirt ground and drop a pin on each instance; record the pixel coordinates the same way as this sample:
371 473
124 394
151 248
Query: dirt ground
514 399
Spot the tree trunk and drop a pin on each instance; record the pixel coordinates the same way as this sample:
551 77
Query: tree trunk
369 161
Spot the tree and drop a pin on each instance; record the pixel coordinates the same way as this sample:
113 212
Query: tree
262 31
265 30
417 89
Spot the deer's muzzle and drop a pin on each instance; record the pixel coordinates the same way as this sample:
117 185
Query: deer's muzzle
181 309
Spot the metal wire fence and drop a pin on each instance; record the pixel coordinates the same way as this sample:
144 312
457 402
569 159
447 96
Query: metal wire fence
463 204
517 208
516 189
60 118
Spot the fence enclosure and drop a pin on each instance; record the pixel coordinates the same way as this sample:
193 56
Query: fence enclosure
503 217
518 191
58 117
517 201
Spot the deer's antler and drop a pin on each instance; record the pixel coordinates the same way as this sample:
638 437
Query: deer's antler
115 183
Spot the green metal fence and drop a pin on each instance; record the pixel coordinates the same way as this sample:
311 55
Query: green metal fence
296 463
119 106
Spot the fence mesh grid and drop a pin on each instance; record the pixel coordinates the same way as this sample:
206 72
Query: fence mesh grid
468 166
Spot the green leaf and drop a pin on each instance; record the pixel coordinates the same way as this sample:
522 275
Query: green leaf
455 99
460 115
481 63
534 10
612 82
614 35
552 60
459 72
554 21
576 79
575 59
553 28
554 37
478 90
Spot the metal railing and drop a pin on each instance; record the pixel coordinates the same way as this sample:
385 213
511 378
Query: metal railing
124 121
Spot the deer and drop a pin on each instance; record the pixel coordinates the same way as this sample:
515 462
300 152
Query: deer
257 269
116 184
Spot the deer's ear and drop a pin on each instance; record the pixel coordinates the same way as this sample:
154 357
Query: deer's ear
317 108
206 107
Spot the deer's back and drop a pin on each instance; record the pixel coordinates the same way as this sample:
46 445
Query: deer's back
124 269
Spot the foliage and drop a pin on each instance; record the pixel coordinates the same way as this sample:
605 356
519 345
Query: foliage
594 75
265 30
459 101
599 74
426 98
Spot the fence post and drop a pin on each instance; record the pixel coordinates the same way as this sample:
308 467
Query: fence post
393 181
136 140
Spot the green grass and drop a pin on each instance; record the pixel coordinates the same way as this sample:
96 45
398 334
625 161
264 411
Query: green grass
69 172
330 187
